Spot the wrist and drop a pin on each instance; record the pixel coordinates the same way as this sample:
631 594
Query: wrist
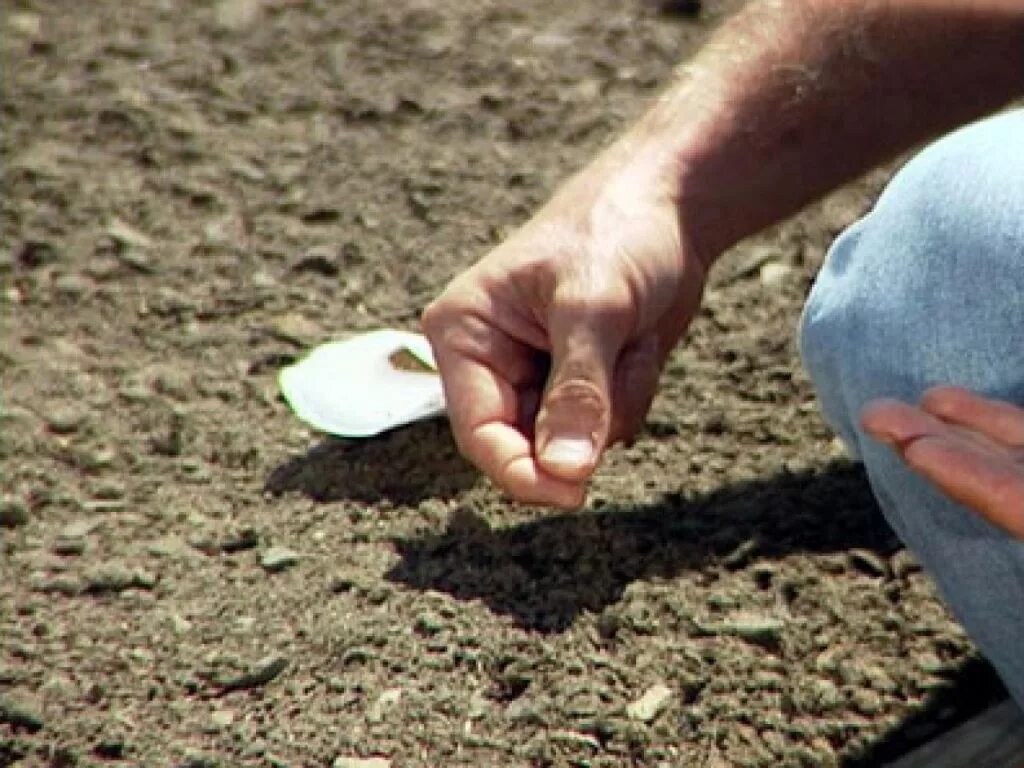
674 157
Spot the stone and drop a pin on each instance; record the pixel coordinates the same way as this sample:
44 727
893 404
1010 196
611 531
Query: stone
20 714
429 624
198 761
222 718
71 286
25 23
263 280
109 490
867 701
259 674
65 419
79 528
63 584
879 679
172 382
114 576
361 762
774 275
293 328
109 577
68 545
384 703
13 513
651 704
136 258
755 629
903 563
127 235
237 15
276 559
868 562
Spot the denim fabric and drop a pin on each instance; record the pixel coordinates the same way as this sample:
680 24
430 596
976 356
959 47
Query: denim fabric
928 289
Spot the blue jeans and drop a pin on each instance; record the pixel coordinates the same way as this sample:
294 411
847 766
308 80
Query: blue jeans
928 289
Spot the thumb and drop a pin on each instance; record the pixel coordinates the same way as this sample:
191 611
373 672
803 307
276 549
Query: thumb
575 417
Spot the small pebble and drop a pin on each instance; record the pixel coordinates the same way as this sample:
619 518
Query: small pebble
68 545
13 513
134 392
173 383
136 258
117 577
64 420
261 279
825 695
651 704
903 563
260 673
384 703
222 718
103 267
127 235
25 23
361 762
199 761
774 274
294 328
19 714
109 490
868 562
879 679
63 584
71 286
867 701
237 15
428 624
755 629
80 528
278 559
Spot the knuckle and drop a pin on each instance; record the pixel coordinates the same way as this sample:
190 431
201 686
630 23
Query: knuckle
434 315
578 402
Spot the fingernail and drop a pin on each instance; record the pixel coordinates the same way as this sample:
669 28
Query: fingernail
569 452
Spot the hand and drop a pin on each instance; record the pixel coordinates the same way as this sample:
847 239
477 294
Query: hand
551 346
971 447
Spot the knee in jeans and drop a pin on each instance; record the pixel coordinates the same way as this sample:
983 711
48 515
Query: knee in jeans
928 288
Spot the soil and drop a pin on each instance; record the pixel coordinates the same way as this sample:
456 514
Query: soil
195 195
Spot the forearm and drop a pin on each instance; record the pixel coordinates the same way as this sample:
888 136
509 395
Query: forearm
794 97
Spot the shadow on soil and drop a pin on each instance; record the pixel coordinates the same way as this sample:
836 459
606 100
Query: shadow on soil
393 467
971 689
546 572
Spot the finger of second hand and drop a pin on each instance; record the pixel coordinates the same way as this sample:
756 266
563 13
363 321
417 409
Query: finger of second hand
1000 421
902 425
991 484
899 424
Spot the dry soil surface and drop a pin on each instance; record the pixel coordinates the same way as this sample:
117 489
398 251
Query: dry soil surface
194 195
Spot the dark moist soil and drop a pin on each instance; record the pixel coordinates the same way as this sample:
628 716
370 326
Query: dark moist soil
194 195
